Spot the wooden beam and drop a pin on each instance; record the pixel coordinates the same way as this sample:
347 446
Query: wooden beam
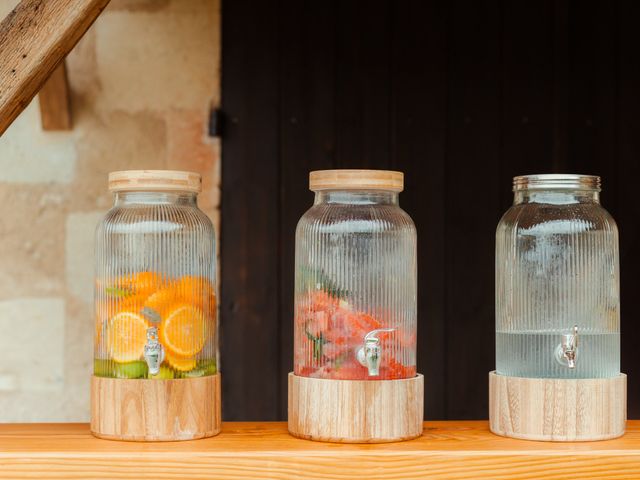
34 38
55 112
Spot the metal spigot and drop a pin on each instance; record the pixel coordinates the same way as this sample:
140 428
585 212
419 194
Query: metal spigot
567 351
153 351
369 355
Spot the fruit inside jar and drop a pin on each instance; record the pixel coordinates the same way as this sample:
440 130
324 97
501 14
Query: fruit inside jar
330 331
182 311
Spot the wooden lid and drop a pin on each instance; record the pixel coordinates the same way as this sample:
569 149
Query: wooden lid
356 180
155 180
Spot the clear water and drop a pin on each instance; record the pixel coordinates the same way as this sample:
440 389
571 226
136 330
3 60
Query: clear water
556 267
533 354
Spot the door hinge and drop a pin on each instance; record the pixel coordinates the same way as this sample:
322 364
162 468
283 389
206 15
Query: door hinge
216 123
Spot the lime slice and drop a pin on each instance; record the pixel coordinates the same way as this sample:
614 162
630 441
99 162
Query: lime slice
131 370
208 366
117 292
108 368
101 368
165 373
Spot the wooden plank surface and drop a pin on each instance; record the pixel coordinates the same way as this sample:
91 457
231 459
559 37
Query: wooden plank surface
446 450
34 39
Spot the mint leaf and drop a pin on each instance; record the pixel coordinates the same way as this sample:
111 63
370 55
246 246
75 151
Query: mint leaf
117 292
311 278
318 342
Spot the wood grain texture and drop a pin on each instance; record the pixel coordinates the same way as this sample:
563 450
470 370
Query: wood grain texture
560 410
55 111
355 411
155 410
446 450
161 180
356 179
34 38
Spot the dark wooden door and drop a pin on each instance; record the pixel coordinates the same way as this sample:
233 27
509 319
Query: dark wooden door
461 96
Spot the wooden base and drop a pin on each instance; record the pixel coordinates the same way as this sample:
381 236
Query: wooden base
355 411
561 410
155 410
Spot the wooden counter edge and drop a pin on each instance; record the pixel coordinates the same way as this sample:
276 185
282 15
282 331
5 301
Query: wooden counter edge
447 450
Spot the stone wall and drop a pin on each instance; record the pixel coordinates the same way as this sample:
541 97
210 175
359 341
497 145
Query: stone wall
142 81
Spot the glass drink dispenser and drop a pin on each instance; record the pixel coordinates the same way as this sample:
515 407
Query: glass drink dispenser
354 377
156 354
557 314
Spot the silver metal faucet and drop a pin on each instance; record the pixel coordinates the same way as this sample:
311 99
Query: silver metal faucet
153 351
369 355
567 351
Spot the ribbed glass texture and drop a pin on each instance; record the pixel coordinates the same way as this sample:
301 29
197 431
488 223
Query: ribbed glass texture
556 271
155 284
355 275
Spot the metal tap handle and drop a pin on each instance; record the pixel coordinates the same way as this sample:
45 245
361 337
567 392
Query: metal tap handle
567 351
153 351
369 355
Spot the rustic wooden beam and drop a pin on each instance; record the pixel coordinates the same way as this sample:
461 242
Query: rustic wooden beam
34 38
55 112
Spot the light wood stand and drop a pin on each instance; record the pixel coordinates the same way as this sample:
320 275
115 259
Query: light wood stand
155 410
561 410
356 411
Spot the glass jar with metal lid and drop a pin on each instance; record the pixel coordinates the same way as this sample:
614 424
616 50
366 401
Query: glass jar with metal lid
557 281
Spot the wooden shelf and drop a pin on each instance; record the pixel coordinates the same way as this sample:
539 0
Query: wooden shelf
451 450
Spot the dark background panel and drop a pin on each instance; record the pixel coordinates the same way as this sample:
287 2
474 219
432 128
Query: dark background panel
527 92
418 138
459 95
627 192
472 172
593 76
251 209
363 83
307 141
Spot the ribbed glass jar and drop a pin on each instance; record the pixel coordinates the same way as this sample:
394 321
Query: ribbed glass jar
355 279
557 281
155 290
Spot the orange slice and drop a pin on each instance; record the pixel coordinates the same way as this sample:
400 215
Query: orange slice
141 283
198 291
182 364
130 304
183 332
126 337
163 301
